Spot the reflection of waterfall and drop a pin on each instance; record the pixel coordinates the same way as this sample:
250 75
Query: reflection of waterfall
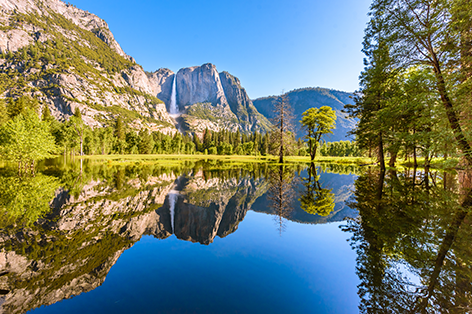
173 109
172 200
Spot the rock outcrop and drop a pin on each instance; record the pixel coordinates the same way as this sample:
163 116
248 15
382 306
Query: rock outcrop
199 84
67 58
161 82
209 99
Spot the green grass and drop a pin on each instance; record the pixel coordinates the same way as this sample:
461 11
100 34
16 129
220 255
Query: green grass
179 158
436 163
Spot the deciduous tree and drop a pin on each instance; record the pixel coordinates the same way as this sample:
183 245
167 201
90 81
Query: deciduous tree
317 123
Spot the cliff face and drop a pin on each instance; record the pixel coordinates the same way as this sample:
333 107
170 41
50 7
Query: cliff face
209 99
67 58
305 98
199 85
161 82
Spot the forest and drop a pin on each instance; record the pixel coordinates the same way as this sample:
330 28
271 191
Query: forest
414 97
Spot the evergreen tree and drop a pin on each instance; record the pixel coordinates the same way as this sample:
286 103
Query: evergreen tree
206 139
46 114
146 143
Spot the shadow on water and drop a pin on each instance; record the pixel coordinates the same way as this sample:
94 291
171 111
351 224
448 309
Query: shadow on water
412 239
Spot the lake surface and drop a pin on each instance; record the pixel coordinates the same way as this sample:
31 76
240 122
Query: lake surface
213 237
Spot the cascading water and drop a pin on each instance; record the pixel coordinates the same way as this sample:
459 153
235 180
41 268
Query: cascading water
173 109
172 200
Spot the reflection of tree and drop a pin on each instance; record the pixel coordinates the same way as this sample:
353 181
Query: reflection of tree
408 230
26 199
281 193
316 200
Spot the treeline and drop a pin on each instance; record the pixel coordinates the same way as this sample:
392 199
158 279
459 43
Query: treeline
74 137
340 149
27 136
415 95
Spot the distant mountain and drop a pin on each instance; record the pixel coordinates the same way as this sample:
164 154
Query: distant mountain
305 98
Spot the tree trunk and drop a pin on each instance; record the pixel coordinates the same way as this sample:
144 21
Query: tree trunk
81 144
451 113
415 161
381 152
393 159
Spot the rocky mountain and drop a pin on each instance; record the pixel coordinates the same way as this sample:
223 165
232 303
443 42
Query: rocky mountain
305 98
67 58
208 99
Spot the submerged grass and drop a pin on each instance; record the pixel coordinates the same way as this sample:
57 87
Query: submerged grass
179 158
436 163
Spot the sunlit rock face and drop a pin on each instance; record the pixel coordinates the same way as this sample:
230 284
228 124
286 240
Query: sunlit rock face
209 99
161 82
96 88
199 84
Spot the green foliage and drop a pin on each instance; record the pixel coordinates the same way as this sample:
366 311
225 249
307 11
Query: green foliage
3 112
413 98
27 199
26 139
317 122
316 200
340 149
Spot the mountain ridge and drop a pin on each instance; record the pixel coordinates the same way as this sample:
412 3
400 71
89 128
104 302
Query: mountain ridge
302 99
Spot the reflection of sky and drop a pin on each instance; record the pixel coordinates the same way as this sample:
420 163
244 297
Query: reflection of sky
308 269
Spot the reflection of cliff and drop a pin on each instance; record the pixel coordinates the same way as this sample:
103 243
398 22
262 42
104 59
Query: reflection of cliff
214 207
73 249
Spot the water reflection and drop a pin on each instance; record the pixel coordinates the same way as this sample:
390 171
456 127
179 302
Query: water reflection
316 199
23 200
412 238
281 193
91 213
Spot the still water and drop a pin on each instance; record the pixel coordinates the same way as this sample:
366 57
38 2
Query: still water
211 237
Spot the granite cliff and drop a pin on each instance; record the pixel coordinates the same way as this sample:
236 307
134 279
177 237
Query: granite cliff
209 99
68 58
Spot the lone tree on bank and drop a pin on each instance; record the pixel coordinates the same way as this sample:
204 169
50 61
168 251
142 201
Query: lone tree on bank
317 122
282 127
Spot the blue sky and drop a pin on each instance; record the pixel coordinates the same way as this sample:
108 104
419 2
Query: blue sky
270 45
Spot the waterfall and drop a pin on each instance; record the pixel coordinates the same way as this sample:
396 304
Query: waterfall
173 109
172 200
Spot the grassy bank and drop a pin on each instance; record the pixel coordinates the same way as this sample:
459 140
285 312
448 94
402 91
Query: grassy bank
176 159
